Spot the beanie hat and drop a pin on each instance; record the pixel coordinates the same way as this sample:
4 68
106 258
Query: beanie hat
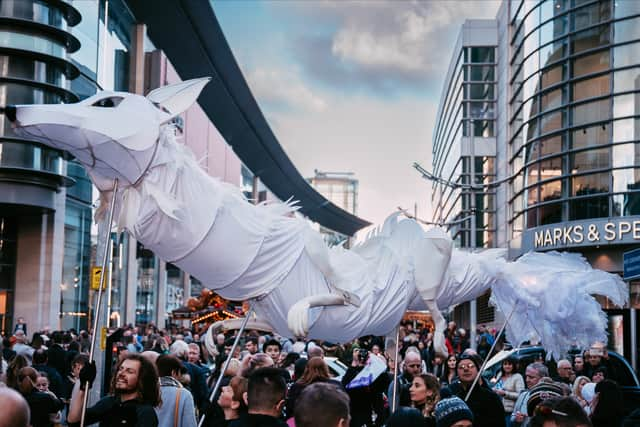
542 391
477 360
451 410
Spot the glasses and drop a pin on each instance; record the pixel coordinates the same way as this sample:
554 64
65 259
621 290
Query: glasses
466 366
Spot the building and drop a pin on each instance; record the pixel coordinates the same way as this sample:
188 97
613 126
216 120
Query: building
341 189
566 146
464 149
55 51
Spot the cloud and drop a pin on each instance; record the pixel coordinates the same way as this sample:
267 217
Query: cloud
283 90
383 45
376 139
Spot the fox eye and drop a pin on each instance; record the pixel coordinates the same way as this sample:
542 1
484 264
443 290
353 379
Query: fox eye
110 102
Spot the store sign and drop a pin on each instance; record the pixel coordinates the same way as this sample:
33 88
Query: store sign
631 264
582 233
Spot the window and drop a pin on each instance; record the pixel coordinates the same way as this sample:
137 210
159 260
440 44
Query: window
589 160
591 38
590 88
481 54
480 91
551 100
591 136
552 76
479 73
593 63
552 145
551 213
591 112
590 184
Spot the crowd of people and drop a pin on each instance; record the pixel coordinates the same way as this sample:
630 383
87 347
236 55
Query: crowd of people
165 378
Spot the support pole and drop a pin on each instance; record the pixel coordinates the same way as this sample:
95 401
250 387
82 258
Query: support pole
96 316
493 346
226 362
396 372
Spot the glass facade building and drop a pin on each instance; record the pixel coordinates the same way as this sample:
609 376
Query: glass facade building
565 171
464 137
574 111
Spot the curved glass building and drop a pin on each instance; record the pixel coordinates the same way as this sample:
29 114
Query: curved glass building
566 142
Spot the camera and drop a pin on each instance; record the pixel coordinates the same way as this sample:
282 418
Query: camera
363 353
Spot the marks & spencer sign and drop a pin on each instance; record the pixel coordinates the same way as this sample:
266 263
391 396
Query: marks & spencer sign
624 230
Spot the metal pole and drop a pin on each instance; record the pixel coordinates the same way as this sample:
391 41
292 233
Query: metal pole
96 316
493 346
396 372
226 362
473 306
634 339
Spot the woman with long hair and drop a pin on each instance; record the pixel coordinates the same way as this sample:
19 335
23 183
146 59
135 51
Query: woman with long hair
509 386
576 390
43 405
607 409
315 371
425 393
449 374
14 367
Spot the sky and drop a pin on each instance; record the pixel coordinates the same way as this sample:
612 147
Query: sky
352 86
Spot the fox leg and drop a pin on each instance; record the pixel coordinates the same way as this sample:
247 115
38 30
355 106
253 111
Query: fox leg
431 260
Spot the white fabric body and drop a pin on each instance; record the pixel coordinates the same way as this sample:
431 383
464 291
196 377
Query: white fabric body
267 254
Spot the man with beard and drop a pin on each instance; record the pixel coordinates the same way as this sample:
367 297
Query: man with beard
135 391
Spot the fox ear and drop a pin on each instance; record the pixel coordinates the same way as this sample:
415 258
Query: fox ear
176 98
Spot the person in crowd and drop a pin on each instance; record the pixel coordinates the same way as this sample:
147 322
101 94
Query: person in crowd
449 373
364 401
565 372
78 362
232 402
484 403
20 326
453 412
198 384
438 365
273 348
251 345
42 384
322 405
598 357
509 386
578 365
57 355
599 374
15 409
411 367
265 398
316 370
483 347
21 347
545 389
607 408
289 363
533 374
560 412
251 362
576 390
406 417
7 353
42 406
40 363
425 393
314 350
177 409
13 369
135 391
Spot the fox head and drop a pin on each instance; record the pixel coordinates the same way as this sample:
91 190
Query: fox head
113 134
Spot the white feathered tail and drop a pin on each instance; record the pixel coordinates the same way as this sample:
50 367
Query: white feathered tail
552 293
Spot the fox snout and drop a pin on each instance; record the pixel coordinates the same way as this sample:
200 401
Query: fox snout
10 112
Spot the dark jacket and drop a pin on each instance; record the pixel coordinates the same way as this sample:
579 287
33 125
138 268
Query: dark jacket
198 386
484 403
57 358
55 380
111 412
365 400
257 420
40 406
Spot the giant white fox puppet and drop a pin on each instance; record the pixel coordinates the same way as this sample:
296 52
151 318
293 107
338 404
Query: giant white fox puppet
274 259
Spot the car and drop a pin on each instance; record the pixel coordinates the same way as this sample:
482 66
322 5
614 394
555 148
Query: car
624 373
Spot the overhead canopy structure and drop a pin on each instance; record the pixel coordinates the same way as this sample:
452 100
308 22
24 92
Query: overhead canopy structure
189 34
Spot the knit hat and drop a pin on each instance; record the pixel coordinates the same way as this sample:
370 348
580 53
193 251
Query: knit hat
542 391
477 360
451 410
